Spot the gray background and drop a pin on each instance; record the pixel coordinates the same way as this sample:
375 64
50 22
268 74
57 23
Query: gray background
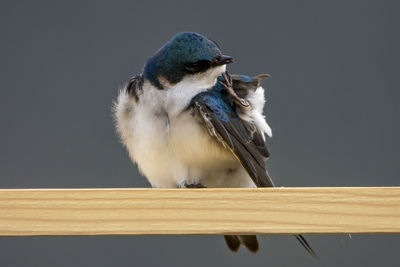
332 105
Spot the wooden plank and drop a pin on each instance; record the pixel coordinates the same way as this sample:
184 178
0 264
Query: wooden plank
199 211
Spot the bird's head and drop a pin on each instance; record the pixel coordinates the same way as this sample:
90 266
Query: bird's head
187 54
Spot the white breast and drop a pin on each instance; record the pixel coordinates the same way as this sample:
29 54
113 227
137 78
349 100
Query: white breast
169 146
144 130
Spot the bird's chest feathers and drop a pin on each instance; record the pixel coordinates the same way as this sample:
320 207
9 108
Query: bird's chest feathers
178 96
190 141
163 115
167 132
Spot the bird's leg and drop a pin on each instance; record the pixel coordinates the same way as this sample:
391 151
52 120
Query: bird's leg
243 103
194 185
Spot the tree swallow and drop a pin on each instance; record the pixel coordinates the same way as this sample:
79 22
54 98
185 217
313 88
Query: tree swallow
187 123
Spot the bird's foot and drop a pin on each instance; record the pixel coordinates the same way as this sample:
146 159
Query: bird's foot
193 185
228 84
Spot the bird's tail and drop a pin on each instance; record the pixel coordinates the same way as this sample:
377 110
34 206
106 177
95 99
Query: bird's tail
249 241
300 238
307 246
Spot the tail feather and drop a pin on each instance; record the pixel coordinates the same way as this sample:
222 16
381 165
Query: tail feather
233 242
307 246
249 241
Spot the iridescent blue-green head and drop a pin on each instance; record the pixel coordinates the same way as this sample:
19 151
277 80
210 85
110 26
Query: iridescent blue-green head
186 54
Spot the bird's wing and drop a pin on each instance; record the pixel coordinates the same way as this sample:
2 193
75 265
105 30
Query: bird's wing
134 86
217 111
244 85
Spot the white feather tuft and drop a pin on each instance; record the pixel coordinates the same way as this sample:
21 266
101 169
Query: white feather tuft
257 102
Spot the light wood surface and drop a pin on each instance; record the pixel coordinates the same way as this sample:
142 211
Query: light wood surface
199 211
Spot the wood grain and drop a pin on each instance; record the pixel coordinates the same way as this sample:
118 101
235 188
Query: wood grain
199 211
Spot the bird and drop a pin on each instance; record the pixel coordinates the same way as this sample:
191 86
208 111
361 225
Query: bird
187 123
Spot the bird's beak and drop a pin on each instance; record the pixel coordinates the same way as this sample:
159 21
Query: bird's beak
223 60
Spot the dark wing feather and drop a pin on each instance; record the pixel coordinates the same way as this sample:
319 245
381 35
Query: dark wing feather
248 147
245 142
243 85
134 86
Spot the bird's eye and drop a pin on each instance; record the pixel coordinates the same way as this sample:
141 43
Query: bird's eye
198 66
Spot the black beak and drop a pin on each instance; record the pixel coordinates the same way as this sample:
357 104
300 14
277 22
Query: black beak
223 60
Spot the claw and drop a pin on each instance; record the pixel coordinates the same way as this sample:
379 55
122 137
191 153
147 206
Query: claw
227 79
227 84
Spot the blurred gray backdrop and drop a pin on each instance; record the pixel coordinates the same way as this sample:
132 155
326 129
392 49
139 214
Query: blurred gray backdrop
332 104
